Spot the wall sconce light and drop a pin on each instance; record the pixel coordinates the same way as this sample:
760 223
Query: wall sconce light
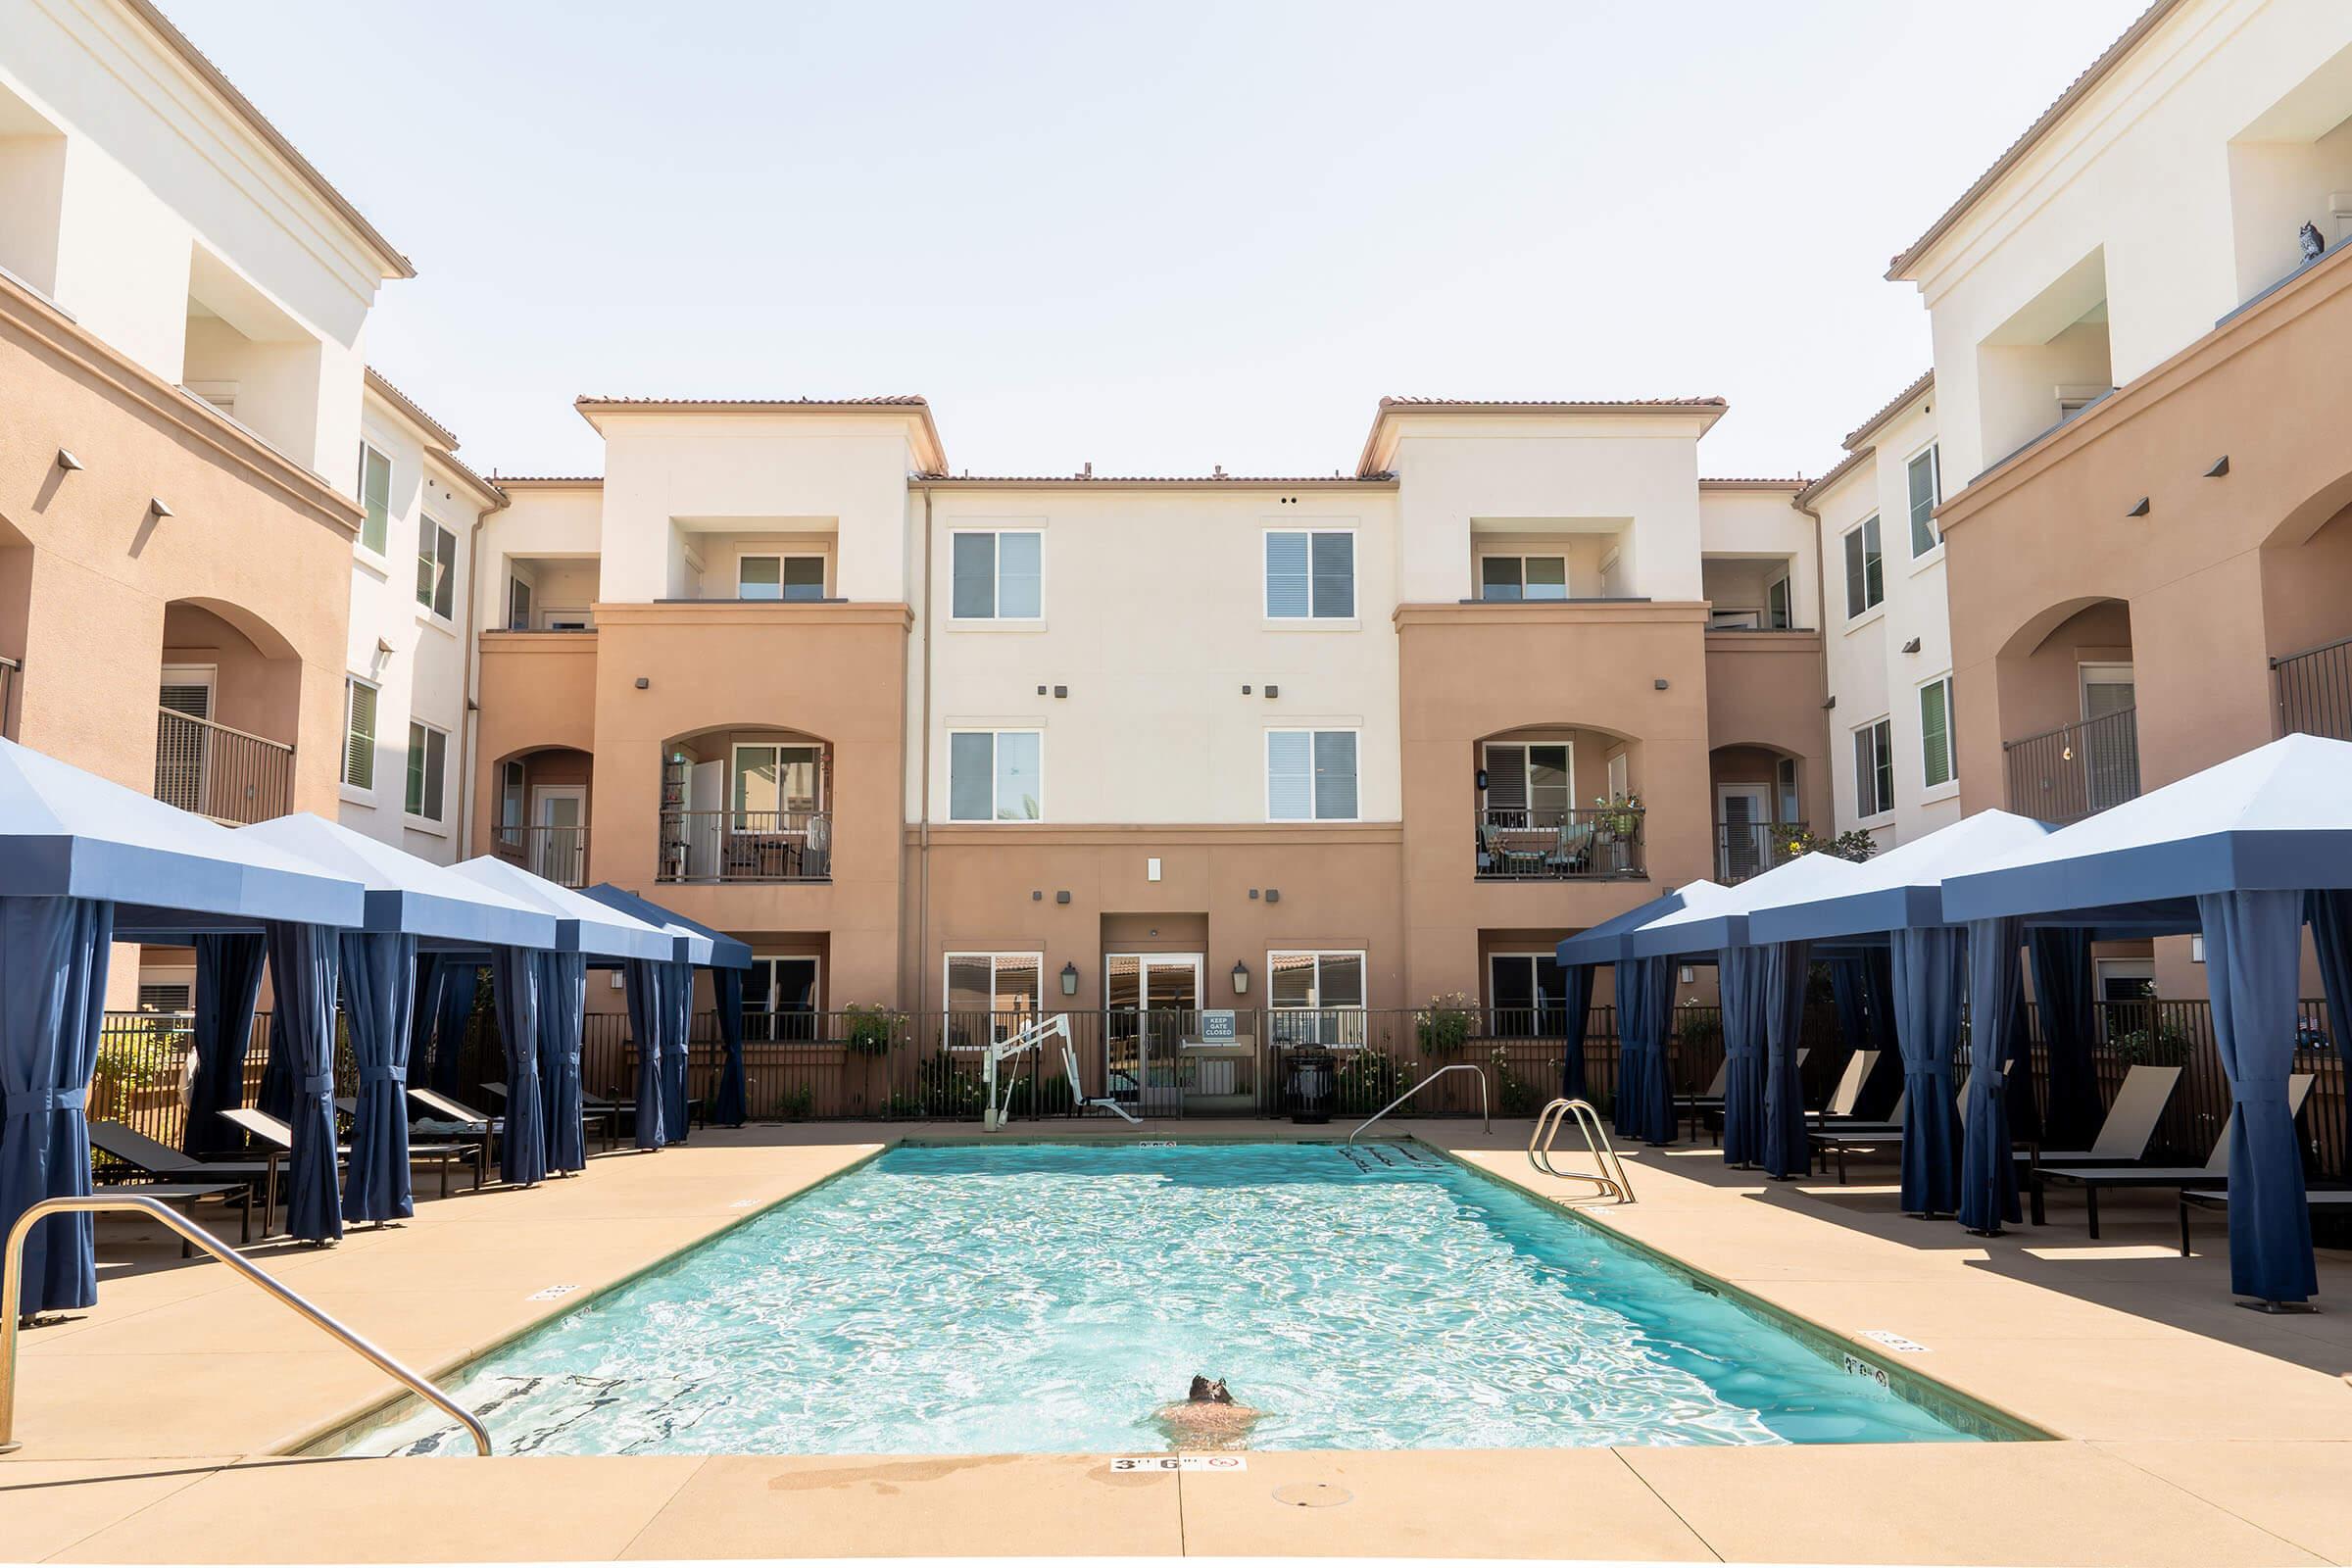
158 508
73 465
1240 978
1660 685
1069 979
643 683
1911 647
1482 778
2218 470
2140 507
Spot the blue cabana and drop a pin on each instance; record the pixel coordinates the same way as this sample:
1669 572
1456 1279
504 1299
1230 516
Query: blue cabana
1578 957
2243 853
1644 988
727 958
412 906
542 1037
1900 894
86 862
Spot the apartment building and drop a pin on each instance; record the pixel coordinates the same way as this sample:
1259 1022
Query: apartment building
931 739
1888 641
2142 377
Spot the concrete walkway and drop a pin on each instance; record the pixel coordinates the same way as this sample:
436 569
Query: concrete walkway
2195 1433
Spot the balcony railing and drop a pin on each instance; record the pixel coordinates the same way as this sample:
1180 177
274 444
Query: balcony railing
2076 770
558 854
1749 848
1534 845
219 772
2315 691
746 847
12 675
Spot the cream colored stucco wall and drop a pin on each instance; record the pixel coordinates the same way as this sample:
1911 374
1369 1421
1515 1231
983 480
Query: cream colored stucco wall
1761 527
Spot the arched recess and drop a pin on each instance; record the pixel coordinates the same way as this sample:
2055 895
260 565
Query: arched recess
229 714
746 802
2306 613
2066 685
543 811
1558 799
1756 797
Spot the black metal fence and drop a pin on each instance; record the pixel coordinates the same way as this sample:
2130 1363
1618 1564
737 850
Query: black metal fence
2075 771
2315 691
1527 844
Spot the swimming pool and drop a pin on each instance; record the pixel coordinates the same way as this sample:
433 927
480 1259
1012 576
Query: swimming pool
1048 1297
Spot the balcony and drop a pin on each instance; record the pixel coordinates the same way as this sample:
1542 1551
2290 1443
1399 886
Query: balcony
219 772
2076 770
2315 691
741 846
1750 849
560 853
1536 845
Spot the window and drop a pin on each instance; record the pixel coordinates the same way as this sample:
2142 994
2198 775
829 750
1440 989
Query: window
991 995
518 604
1529 785
1937 765
1316 998
1927 489
358 733
1777 614
1516 577
1309 576
375 498
1526 995
998 576
1873 769
160 995
779 1000
799 579
436 568
994 776
429 764
1310 775
1865 574
773 783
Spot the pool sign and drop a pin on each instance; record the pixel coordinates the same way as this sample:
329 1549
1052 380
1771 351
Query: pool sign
1863 1369
1181 1461
1895 1342
1216 1027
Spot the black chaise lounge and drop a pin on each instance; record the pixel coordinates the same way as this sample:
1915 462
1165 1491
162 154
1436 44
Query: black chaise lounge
175 1177
277 1138
2213 1175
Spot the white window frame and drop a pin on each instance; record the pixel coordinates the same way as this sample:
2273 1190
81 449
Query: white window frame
1266 771
782 558
366 792
817 994
1932 452
994 732
1527 772
1785 582
1523 556
1886 806
380 550
995 579
418 817
1486 1002
1312 620
1952 743
994 956
1318 955
428 528
735 772
1873 606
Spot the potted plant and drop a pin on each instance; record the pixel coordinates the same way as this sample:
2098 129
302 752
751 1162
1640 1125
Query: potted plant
1618 815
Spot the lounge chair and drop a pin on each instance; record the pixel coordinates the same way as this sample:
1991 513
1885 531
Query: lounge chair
1503 859
1707 1108
600 1116
162 1162
2213 1175
277 1138
2331 1200
441 1114
2129 1122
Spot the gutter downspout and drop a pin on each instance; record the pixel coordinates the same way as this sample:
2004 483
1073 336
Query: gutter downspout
468 736
922 854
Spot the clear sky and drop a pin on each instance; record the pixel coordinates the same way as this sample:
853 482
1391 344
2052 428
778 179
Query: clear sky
1155 238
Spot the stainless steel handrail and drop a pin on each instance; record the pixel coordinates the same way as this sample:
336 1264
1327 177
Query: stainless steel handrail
1485 1115
12 1280
1613 1183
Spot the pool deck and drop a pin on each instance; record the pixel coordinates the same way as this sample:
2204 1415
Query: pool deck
2192 1431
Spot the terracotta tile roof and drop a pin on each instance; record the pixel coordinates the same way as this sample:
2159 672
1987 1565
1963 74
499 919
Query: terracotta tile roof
1775 483
2092 74
900 400
1893 406
498 478
487 486
410 407
1845 466
1154 480
396 265
1553 403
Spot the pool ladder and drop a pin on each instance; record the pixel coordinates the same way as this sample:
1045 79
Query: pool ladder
1612 1185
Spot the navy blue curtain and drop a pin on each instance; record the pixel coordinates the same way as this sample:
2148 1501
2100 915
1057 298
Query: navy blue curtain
726 989
228 983
2329 912
1931 978
514 988
2253 960
1576 1009
643 980
1884 1085
1787 1148
276 1095
2065 998
304 960
677 1029
424 1008
1645 1005
53 956
379 982
562 1015
1987 1170
460 982
1741 973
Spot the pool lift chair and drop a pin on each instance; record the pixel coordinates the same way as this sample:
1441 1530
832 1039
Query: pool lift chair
1032 1036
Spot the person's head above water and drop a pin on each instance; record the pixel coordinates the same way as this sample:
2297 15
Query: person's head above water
1204 1391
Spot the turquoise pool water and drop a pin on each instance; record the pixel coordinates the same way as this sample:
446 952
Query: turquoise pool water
1034 1297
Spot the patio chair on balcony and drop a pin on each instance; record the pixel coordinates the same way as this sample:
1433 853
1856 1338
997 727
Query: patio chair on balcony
1572 856
1504 859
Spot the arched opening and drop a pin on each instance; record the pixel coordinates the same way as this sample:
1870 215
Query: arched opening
1558 803
15 611
229 715
747 802
2069 723
1758 804
542 813
2307 613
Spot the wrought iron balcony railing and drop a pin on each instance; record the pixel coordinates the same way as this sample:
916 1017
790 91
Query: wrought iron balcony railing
558 854
1749 848
219 772
746 847
1524 843
2076 770
2315 691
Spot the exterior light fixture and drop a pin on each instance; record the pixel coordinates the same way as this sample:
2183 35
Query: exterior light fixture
1911 647
68 461
158 508
1240 978
1069 979
643 683
1659 685
2139 509
2220 467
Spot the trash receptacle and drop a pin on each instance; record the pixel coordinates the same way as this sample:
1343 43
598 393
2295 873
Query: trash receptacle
1306 1085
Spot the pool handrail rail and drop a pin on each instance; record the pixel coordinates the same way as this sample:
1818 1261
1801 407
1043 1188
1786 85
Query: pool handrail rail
12 1280
1486 1114
1613 1184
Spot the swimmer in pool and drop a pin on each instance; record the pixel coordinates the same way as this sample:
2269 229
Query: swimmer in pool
1208 1417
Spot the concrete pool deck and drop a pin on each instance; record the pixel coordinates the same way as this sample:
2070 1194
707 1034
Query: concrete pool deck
2192 1431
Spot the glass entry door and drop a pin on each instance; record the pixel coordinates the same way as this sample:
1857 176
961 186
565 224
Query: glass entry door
1151 1001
